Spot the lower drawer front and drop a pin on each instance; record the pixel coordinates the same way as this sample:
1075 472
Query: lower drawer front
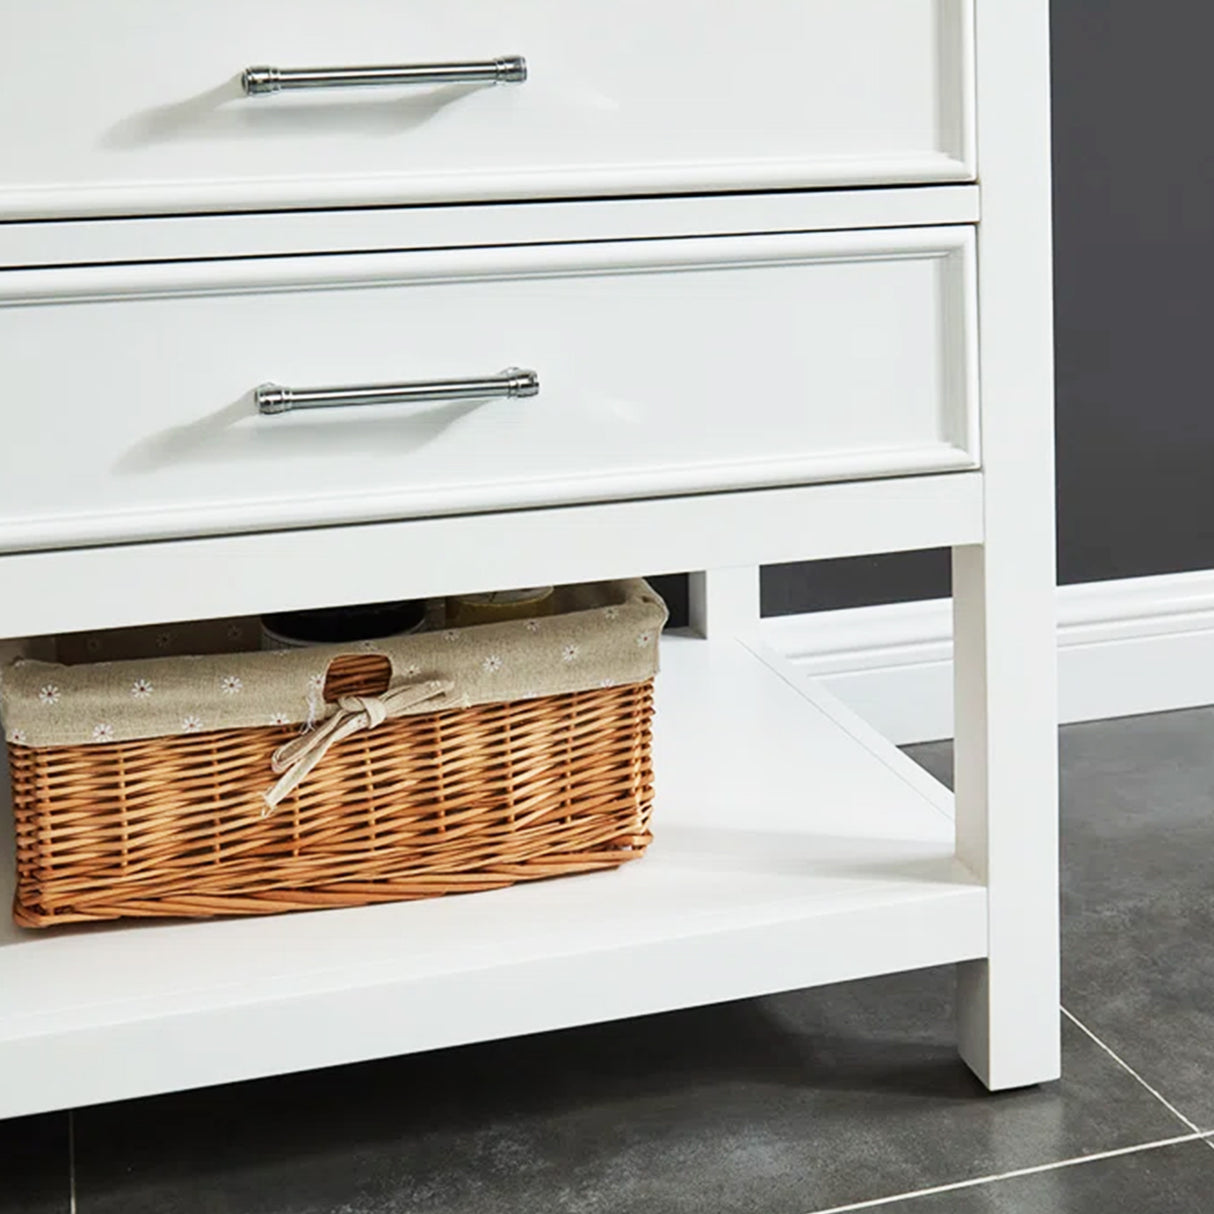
663 367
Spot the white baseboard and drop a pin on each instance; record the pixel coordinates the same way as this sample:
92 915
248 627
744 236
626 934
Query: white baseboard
1124 647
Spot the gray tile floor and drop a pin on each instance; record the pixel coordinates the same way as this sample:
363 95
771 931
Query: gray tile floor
814 1101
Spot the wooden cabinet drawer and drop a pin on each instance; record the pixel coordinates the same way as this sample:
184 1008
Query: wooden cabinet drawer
137 106
664 367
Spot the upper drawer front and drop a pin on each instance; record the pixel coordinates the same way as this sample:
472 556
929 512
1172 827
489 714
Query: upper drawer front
664 367
136 106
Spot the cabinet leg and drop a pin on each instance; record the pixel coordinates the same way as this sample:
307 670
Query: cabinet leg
1007 809
724 602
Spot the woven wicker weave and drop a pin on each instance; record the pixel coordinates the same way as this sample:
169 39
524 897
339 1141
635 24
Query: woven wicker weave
457 800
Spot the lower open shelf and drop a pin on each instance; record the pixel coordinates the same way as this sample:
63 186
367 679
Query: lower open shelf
792 848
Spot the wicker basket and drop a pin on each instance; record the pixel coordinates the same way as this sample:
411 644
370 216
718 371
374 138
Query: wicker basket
434 802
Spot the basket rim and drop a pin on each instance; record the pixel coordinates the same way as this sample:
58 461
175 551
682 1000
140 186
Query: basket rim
600 634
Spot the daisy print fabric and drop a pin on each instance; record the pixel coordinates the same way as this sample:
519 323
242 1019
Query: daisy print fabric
598 635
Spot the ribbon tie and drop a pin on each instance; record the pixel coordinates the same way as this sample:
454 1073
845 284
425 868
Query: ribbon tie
294 760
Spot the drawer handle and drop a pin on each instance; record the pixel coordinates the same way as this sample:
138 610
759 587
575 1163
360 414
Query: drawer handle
509 69
274 398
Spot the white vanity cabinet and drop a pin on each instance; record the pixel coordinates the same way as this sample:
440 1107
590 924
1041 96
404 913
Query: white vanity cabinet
729 289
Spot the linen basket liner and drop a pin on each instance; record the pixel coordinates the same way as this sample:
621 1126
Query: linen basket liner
600 634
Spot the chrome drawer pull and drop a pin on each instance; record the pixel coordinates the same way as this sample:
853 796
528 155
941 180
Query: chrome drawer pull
274 398
509 69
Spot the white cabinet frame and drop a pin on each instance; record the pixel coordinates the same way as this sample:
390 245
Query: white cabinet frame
866 870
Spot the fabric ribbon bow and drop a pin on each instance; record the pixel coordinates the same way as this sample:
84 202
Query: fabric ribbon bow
294 760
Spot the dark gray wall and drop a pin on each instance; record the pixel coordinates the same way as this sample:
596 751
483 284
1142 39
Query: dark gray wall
1134 298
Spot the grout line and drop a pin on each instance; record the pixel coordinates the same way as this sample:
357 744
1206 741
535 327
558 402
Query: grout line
71 1161
1031 1171
1125 1066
